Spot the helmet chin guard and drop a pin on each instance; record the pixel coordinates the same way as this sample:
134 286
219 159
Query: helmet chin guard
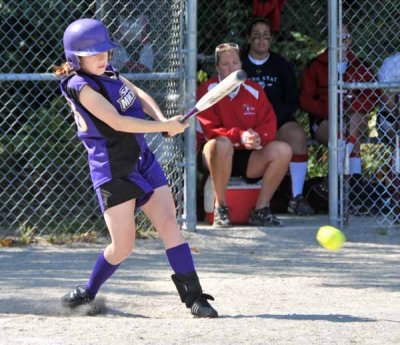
85 37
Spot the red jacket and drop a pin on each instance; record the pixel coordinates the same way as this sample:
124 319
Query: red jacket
314 87
234 114
269 9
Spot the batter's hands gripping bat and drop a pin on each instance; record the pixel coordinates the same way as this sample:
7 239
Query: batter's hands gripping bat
222 89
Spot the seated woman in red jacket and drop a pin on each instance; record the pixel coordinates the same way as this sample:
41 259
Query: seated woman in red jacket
357 103
240 131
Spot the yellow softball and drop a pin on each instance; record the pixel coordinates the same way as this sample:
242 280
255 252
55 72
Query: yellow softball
330 238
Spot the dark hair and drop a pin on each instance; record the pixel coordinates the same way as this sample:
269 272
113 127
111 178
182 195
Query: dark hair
255 21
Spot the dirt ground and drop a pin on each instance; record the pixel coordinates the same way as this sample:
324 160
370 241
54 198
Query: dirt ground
271 286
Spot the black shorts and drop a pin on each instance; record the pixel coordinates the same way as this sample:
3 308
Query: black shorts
139 184
239 164
119 190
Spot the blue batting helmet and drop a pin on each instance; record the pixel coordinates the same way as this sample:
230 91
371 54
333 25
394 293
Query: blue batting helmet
85 37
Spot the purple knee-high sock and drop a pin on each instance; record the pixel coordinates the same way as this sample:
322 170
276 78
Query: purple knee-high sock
102 270
180 258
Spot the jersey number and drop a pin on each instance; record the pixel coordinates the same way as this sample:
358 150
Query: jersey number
80 121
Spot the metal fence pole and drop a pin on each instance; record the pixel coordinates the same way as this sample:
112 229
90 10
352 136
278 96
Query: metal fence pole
190 135
333 110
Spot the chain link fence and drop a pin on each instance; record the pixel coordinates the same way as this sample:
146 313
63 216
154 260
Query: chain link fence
44 176
302 36
43 170
374 40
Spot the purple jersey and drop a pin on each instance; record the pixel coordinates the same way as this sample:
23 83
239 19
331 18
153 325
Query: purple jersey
112 154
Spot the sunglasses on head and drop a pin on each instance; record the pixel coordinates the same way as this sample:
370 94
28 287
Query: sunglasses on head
223 47
226 46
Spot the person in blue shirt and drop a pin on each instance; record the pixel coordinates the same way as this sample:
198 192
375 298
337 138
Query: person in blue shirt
276 76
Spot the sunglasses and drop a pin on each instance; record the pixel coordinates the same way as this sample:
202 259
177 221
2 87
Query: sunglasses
223 47
226 46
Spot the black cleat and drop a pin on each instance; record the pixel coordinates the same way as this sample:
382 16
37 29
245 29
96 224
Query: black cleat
77 297
192 295
264 217
299 206
201 307
79 301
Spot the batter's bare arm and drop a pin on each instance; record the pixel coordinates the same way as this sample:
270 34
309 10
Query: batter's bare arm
106 112
149 105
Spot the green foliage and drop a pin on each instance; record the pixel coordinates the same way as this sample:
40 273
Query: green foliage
237 15
25 235
298 49
374 29
48 134
317 161
295 45
228 22
35 28
38 148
